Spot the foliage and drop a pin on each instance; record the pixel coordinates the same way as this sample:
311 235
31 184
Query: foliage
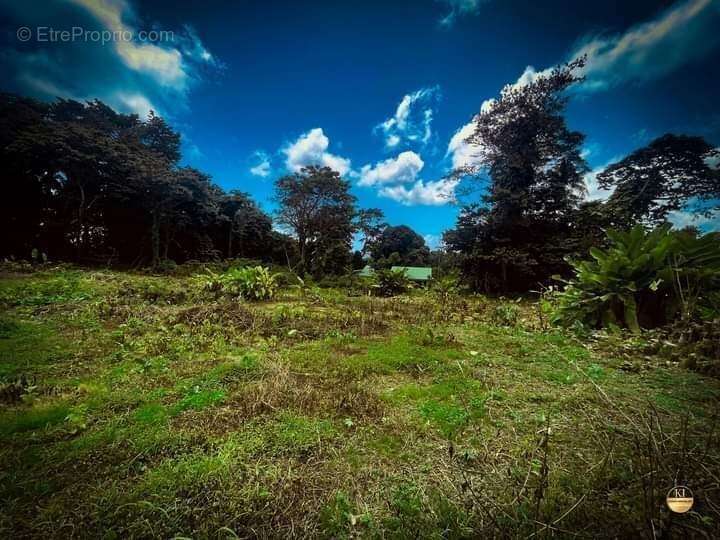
515 238
391 282
250 283
660 178
398 246
506 313
642 279
197 407
317 205
446 287
96 186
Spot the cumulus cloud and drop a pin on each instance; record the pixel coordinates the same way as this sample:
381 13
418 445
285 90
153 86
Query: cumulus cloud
462 153
412 121
311 149
435 193
458 8
403 168
127 73
262 167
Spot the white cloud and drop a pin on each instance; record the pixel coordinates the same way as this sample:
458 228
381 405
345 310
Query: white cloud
412 121
164 64
125 72
650 50
433 241
645 51
403 168
262 168
136 103
311 149
459 7
423 193
593 191
462 153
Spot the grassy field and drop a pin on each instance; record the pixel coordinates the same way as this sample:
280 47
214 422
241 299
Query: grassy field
153 410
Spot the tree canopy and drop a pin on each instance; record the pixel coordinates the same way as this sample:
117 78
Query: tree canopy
664 176
511 239
91 185
399 246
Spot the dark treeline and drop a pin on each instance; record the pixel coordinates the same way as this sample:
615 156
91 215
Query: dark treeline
84 183
87 184
533 216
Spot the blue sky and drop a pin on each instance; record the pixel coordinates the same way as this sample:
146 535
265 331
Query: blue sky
381 91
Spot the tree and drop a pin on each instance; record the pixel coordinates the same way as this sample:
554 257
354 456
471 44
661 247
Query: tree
244 229
399 245
516 236
370 225
662 177
317 205
88 184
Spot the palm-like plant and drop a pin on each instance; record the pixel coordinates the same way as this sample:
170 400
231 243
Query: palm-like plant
656 268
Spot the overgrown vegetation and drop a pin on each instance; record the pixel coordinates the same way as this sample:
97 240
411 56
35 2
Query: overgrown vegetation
207 376
162 406
645 279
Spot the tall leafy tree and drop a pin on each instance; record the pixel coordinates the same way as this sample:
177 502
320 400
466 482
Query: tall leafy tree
317 205
664 176
534 164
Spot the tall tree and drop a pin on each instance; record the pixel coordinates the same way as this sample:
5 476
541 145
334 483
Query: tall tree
317 205
535 167
664 176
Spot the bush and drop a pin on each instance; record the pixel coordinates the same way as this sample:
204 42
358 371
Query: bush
643 279
392 282
446 287
250 283
506 314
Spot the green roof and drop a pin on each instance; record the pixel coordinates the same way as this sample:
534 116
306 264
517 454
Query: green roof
367 271
417 273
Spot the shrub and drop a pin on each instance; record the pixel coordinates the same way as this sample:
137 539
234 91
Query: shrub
251 283
392 282
506 314
446 287
643 278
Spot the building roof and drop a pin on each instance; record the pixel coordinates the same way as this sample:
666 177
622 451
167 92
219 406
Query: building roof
416 273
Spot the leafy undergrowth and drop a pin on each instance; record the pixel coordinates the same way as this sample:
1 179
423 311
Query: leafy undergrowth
141 408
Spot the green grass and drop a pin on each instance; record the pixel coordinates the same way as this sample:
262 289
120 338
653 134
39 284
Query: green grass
157 411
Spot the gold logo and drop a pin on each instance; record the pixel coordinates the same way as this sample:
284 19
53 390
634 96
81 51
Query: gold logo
679 499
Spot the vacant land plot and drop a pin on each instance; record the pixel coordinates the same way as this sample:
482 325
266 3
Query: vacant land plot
138 406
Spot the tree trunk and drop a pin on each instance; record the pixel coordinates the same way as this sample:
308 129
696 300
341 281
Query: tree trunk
155 239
